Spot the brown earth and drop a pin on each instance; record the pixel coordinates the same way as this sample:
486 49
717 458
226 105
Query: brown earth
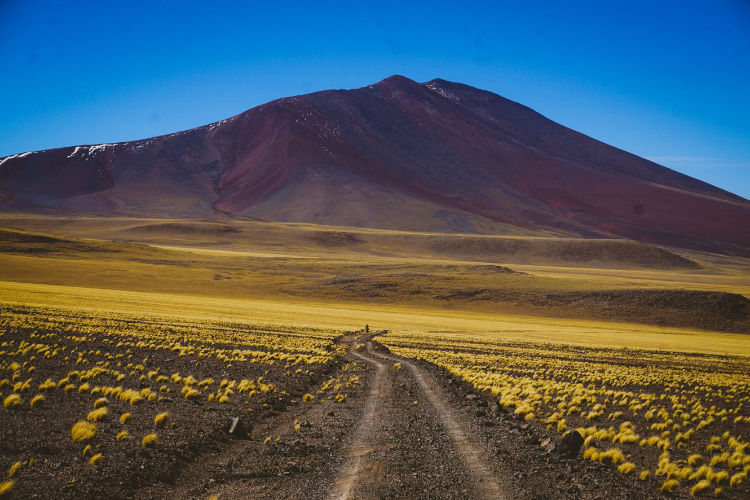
408 432
406 429
192 429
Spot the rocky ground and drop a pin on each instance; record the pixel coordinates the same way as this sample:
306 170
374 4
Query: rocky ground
409 430
398 428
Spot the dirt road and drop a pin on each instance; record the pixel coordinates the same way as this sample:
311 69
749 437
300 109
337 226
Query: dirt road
409 442
405 431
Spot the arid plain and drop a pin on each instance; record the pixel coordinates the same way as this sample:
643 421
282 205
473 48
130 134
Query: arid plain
481 350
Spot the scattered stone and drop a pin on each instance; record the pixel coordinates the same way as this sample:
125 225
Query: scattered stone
571 444
471 397
548 445
237 428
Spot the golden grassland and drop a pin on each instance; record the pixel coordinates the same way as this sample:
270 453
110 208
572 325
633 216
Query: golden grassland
287 263
294 240
91 388
269 273
420 321
653 401
268 240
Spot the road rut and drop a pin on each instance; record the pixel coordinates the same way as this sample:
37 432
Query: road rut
394 437
410 442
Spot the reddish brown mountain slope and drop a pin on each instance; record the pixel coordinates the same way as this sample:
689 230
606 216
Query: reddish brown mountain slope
397 154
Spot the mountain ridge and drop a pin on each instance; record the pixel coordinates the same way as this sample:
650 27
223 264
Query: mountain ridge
437 154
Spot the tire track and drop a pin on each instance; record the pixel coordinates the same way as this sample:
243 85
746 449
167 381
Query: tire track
473 456
360 448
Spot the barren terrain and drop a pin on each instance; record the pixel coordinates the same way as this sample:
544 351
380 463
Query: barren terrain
479 347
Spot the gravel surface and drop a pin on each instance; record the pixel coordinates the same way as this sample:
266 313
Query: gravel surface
408 429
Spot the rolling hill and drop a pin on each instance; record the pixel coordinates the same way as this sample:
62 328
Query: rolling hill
434 156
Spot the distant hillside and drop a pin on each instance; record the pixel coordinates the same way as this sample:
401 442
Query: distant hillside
434 156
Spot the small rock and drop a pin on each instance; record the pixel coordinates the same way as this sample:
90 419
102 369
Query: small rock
471 397
548 445
571 444
237 428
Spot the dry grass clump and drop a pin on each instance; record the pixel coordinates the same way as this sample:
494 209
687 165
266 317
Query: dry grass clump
149 440
13 469
12 401
98 414
161 418
6 487
83 431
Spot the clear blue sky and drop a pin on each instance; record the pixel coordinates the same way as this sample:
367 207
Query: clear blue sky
667 80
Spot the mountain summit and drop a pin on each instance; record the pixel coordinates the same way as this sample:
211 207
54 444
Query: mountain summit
437 156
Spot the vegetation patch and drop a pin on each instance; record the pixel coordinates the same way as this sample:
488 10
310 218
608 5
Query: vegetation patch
676 420
99 404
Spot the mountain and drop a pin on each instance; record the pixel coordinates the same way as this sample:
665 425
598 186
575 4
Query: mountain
437 156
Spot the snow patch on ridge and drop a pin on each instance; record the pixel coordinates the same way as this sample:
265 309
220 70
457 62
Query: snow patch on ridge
315 120
141 144
88 151
75 151
97 148
440 90
222 122
19 155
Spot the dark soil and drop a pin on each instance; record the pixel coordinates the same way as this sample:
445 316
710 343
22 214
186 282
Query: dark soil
610 251
333 238
400 451
193 428
205 229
